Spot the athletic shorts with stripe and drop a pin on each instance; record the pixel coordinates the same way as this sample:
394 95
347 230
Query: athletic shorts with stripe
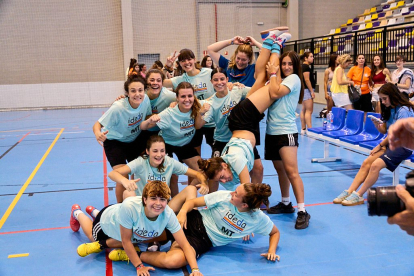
273 144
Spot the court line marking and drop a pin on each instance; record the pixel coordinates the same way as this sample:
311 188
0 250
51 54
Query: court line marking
18 255
26 184
12 147
20 130
108 262
34 230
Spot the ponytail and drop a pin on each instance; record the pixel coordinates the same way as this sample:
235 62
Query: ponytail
211 166
256 194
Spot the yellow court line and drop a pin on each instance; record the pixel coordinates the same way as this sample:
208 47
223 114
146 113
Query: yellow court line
18 255
20 130
20 193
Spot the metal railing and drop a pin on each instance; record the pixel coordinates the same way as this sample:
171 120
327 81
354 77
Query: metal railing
387 41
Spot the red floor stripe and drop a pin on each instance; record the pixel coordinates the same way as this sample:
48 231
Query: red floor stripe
24 137
108 262
34 230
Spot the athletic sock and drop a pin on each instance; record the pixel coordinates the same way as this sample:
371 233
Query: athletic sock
76 213
268 43
301 207
275 48
286 200
95 212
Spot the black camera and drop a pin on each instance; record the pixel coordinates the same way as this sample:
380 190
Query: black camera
384 201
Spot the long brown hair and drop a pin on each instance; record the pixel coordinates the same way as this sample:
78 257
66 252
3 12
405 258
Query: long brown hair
396 99
196 105
374 68
297 69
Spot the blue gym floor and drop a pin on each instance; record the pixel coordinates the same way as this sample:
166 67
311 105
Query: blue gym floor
50 160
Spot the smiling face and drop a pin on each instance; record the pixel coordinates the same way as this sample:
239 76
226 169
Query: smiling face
185 99
209 62
237 197
287 66
187 64
155 83
219 81
224 175
399 63
136 94
242 60
156 154
154 206
377 61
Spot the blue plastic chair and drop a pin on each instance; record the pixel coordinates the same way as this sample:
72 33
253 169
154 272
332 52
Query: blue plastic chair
338 122
369 133
353 125
372 144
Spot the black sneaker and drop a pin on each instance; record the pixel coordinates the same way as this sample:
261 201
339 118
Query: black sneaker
281 208
302 221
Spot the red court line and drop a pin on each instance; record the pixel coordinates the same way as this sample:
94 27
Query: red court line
108 262
24 137
34 230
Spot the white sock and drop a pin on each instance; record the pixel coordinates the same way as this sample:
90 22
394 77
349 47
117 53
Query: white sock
95 212
76 213
286 200
301 207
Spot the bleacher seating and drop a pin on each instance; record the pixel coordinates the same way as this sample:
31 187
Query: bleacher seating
369 133
338 121
353 125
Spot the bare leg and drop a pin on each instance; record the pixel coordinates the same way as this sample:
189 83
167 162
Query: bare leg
308 113
177 202
86 225
174 185
329 104
364 170
192 163
284 182
290 162
260 70
172 259
119 189
256 174
372 176
348 107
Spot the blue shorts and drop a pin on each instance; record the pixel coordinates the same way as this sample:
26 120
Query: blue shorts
393 158
307 94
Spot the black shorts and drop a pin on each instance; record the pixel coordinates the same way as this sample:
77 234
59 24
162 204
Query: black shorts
97 232
118 153
364 103
208 132
219 146
273 144
393 158
195 233
245 116
184 152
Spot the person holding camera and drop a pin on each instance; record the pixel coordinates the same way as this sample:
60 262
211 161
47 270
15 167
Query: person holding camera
401 134
393 108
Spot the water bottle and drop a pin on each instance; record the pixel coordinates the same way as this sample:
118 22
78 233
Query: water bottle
330 117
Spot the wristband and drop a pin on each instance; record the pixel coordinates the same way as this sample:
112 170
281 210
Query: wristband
195 269
168 69
141 265
232 42
273 75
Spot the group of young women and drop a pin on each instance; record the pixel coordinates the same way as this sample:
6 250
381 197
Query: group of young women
168 123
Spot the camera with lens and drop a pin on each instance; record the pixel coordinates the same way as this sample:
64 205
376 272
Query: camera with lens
384 201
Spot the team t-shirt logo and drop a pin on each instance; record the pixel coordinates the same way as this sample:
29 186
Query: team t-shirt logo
234 224
152 177
185 125
200 88
142 234
226 109
135 120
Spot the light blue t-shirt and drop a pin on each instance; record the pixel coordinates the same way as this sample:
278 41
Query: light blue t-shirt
162 102
237 153
201 83
131 215
224 223
142 169
122 121
281 118
220 109
177 128
400 112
